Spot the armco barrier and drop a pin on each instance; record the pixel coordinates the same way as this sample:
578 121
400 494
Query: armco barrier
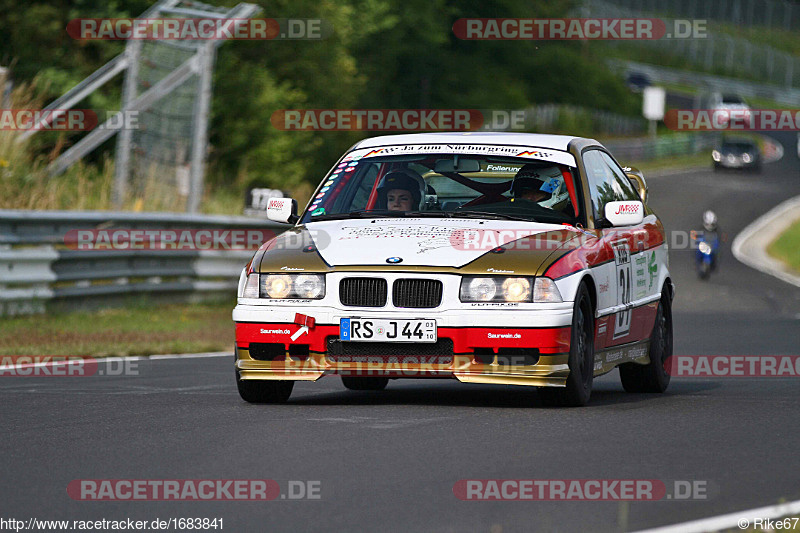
707 82
39 272
630 150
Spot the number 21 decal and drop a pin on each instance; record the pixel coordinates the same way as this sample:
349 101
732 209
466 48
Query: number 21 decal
622 258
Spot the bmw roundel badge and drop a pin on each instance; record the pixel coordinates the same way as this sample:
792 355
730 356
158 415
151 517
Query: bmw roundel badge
394 260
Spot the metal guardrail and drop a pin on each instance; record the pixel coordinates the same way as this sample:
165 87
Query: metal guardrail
39 272
714 52
630 150
708 82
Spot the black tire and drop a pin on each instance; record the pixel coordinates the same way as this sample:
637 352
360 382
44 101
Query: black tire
264 391
356 383
578 388
652 377
704 271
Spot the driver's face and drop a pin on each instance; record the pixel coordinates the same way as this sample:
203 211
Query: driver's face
398 200
534 195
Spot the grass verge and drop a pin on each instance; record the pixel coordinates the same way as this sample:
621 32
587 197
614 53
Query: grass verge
140 329
787 246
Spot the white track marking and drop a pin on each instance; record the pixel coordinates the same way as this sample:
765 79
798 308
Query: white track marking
750 246
81 358
731 520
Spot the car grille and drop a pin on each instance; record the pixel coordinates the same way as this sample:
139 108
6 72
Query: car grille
439 352
363 292
417 293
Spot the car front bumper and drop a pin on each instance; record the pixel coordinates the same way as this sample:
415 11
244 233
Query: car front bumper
737 162
529 349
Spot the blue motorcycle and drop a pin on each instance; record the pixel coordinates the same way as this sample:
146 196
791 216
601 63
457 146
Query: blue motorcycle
705 258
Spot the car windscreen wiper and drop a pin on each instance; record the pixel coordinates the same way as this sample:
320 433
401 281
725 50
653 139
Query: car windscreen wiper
430 214
486 214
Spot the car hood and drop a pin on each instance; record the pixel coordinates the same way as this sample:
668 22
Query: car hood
416 241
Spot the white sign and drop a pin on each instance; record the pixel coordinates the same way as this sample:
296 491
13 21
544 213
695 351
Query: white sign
655 99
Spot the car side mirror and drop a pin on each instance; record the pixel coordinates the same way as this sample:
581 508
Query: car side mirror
282 210
625 213
637 180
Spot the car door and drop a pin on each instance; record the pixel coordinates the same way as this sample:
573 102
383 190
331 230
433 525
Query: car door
616 277
645 239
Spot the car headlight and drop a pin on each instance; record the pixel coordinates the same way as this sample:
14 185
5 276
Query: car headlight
716 156
495 289
478 289
517 290
746 157
704 247
545 290
311 286
282 286
277 286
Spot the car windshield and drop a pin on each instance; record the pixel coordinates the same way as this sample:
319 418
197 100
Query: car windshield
731 99
447 185
740 146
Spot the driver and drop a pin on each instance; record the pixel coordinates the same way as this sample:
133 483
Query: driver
528 185
401 191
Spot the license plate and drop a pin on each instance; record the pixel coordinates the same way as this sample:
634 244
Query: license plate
387 330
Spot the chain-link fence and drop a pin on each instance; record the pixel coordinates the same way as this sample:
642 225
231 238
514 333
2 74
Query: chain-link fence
162 144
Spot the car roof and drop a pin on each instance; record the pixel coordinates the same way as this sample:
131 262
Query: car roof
732 98
554 142
738 141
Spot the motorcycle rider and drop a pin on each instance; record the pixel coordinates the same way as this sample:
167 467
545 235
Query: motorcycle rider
710 221
711 235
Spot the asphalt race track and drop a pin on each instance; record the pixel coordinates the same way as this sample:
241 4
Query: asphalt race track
388 461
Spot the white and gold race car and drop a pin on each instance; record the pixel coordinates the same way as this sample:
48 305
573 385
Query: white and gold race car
501 258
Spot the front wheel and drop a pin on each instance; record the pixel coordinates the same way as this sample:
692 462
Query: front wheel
263 391
704 270
652 377
581 358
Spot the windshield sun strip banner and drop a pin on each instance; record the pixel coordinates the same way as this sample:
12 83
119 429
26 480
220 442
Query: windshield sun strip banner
527 152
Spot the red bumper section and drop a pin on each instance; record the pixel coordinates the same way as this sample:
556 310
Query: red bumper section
548 341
